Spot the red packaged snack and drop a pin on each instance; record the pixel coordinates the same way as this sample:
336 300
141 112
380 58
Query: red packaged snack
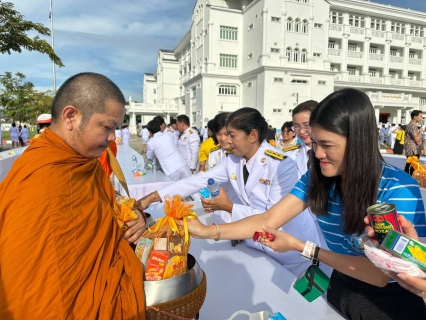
266 236
156 265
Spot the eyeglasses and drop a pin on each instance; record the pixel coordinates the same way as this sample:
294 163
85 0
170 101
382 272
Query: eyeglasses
287 131
305 127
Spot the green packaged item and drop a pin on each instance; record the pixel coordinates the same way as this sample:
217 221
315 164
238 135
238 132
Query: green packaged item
406 248
312 283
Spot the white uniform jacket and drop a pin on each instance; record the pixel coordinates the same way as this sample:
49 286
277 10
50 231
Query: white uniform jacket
175 136
163 147
270 179
189 147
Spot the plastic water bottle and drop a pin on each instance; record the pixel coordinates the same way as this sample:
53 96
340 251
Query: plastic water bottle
154 165
135 162
213 187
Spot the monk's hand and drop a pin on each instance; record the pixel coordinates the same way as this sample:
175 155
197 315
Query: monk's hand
135 228
222 202
283 241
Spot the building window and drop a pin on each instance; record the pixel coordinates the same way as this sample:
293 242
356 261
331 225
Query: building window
378 24
416 31
250 55
411 54
331 44
322 82
392 74
305 26
249 84
296 54
275 19
297 25
351 71
356 21
275 50
276 110
303 56
155 91
393 52
299 81
398 27
278 79
352 46
194 92
250 27
333 67
372 72
288 53
373 49
228 60
318 25
229 33
336 17
411 75
194 117
422 100
289 24
228 90
290 110
316 54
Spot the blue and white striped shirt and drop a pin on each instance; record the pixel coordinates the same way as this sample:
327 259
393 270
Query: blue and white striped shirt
396 187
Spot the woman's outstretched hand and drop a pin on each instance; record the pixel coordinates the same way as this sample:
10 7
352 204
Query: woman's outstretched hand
195 227
283 241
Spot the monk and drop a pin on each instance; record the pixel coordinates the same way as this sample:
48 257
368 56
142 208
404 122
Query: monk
62 254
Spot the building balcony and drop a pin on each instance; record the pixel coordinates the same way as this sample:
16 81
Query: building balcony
335 27
355 54
152 108
396 59
416 40
334 52
377 80
378 34
396 82
375 56
415 83
355 78
396 36
417 62
357 30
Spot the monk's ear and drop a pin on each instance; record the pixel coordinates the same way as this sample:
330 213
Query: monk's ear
70 117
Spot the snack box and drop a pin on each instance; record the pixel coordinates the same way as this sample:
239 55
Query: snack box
143 248
156 265
406 248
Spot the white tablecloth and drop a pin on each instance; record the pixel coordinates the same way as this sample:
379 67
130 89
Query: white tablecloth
138 186
242 278
399 160
7 161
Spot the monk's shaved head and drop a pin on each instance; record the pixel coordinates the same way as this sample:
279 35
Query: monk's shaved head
88 92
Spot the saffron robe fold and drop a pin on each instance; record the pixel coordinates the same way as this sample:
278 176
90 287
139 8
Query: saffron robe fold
61 252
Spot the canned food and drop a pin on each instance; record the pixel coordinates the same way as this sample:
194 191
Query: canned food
383 217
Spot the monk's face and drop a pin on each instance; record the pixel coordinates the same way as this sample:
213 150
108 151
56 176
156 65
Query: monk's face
97 133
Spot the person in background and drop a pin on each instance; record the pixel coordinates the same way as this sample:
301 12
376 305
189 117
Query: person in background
189 142
43 122
413 141
287 138
24 135
80 265
259 176
206 147
118 136
21 142
176 132
14 135
271 136
145 138
392 135
126 135
206 133
398 147
340 185
162 147
382 134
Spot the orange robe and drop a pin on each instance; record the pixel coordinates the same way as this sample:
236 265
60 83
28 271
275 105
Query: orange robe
61 252
103 159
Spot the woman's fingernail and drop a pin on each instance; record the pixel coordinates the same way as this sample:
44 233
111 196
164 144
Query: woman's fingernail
402 276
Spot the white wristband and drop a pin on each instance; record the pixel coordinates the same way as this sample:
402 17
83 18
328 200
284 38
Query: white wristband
307 250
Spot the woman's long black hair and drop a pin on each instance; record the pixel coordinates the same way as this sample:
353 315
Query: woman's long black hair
348 112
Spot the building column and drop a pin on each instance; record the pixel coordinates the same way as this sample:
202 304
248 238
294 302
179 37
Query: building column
264 60
423 72
210 62
365 67
344 51
377 113
132 126
406 59
398 116
386 75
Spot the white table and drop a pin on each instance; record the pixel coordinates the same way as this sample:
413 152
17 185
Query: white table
399 160
138 186
242 278
7 161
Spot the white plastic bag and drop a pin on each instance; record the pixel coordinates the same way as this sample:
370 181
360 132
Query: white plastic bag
263 315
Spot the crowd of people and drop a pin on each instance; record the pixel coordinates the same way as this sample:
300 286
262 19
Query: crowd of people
62 254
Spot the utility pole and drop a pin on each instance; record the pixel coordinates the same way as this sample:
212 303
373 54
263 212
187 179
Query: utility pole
53 44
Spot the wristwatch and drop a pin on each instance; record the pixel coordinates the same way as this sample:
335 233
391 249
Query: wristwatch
307 250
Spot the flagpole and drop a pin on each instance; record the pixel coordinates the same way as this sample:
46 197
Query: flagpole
53 45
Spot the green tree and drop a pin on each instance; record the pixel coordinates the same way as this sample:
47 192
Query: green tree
16 96
13 34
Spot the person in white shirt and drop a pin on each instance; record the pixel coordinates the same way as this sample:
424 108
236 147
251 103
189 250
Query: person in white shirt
162 147
145 138
189 142
14 135
24 135
126 135
392 135
382 134
205 133
287 137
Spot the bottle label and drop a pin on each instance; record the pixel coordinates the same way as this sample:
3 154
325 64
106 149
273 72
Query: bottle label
215 194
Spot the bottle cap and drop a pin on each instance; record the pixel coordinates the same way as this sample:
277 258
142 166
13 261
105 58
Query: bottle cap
210 181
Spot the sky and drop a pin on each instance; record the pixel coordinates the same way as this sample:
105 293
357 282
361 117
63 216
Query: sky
119 39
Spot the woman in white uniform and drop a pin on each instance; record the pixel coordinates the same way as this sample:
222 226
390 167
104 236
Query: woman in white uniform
14 135
260 176
126 135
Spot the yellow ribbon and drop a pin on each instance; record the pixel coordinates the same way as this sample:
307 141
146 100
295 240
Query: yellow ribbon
173 226
414 162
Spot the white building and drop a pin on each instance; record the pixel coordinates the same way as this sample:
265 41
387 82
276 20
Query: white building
270 55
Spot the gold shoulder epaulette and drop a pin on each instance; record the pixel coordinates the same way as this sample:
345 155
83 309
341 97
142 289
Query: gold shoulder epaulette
168 130
215 148
229 151
191 132
291 148
275 155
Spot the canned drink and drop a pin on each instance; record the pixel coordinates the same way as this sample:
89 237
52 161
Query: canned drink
383 217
